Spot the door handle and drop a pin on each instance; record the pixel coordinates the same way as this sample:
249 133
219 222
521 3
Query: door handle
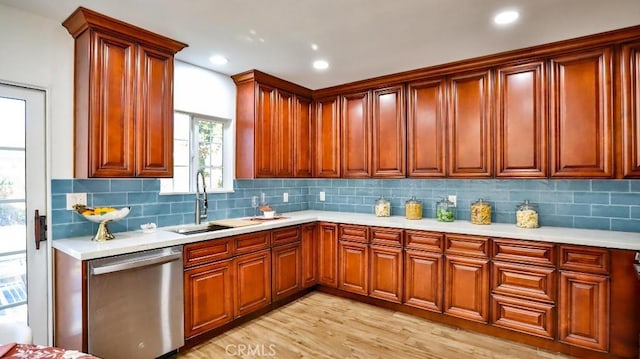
40 228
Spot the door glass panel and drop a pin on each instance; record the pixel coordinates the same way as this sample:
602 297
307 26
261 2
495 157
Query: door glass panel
13 287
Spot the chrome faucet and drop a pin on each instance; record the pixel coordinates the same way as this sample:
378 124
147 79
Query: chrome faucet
202 203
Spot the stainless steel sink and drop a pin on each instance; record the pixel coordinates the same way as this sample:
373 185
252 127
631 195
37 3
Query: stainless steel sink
200 229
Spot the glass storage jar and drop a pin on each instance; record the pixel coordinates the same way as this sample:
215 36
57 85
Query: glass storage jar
383 207
527 215
445 211
481 212
413 208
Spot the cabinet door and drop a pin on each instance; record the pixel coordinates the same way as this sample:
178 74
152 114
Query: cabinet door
469 123
630 73
302 138
265 130
154 116
423 280
110 105
583 310
327 133
521 121
253 282
354 267
581 121
309 255
283 135
355 125
466 292
208 297
286 270
426 128
389 138
385 273
328 254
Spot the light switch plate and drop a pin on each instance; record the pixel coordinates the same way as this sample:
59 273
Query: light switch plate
322 197
453 199
76 198
285 197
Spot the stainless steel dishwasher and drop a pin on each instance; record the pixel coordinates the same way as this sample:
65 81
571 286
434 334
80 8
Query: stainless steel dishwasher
135 304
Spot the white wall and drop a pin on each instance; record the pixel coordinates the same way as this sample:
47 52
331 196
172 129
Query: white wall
38 52
204 92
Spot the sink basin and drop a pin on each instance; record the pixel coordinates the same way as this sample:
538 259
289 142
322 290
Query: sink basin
200 229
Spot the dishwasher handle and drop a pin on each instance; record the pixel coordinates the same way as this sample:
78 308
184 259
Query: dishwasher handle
118 267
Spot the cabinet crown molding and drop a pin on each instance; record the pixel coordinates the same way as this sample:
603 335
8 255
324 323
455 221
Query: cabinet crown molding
84 19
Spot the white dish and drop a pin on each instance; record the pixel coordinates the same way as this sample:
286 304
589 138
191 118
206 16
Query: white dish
269 214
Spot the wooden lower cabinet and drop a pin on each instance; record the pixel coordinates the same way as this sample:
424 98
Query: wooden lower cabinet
466 293
423 280
309 249
583 310
209 299
328 254
252 282
286 270
385 271
354 267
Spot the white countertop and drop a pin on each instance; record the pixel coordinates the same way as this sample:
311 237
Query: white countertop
84 248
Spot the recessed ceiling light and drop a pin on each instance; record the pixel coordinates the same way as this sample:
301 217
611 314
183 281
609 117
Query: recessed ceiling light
218 60
320 65
314 47
506 17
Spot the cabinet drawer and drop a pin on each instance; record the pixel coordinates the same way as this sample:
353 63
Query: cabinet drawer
207 251
353 233
584 259
526 281
523 316
251 242
386 236
524 252
285 235
424 241
471 246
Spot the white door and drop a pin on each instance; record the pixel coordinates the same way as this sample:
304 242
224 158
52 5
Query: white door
23 179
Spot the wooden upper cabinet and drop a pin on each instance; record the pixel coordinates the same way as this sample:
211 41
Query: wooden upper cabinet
265 131
521 121
355 124
389 133
273 127
283 147
469 124
426 128
581 114
630 72
303 138
327 134
154 117
123 98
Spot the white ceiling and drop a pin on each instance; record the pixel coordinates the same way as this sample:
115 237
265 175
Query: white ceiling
360 38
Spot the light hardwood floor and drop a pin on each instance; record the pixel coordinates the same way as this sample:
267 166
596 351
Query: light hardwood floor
320 325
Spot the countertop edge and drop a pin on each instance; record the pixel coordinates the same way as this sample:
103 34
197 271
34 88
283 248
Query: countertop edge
83 248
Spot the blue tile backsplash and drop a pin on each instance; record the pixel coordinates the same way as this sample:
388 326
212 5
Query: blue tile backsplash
594 204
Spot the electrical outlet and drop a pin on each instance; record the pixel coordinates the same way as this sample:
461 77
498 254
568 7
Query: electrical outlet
453 199
285 197
76 198
322 197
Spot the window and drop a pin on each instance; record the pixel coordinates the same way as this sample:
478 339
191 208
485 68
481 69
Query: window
198 145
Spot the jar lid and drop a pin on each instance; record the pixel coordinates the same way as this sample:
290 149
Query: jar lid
413 200
445 200
481 201
526 205
382 200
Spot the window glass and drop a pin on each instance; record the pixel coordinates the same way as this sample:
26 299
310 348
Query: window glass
198 146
